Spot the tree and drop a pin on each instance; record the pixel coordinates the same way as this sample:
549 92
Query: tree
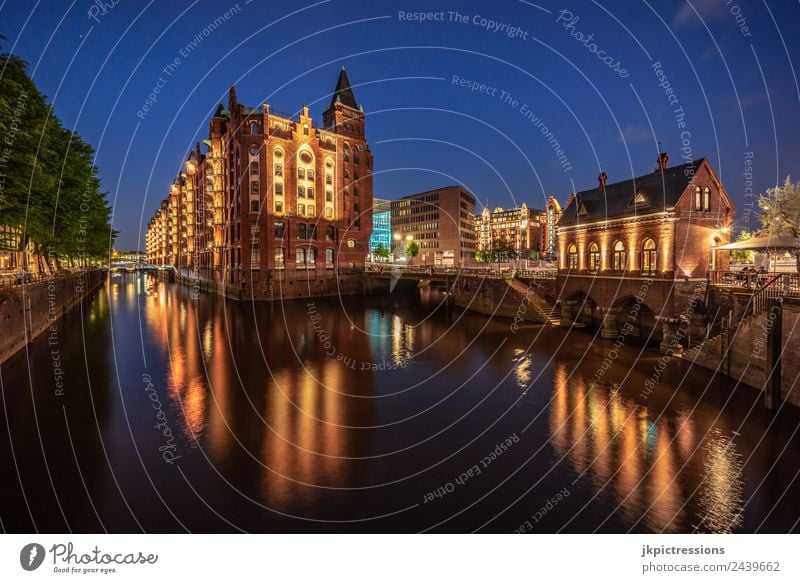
382 251
503 251
50 190
412 250
780 213
743 256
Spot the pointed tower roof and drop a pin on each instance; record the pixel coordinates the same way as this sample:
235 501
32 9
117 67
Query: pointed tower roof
343 93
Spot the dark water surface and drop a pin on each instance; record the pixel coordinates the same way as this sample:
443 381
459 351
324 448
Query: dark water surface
384 413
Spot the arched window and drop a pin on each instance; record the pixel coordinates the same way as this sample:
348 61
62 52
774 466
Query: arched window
619 256
649 256
279 255
329 257
311 256
594 257
698 202
254 127
572 257
706 199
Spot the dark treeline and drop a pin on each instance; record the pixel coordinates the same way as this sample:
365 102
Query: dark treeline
49 189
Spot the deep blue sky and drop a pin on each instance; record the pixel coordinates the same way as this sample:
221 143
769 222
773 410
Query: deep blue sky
738 88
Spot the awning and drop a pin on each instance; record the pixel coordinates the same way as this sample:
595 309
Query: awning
776 243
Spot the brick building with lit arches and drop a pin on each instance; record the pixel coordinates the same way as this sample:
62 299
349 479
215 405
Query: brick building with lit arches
645 247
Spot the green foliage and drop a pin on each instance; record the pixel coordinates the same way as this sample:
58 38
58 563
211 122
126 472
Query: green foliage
49 188
743 256
412 249
382 251
780 212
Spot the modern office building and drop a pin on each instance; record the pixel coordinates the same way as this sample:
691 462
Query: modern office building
381 225
440 221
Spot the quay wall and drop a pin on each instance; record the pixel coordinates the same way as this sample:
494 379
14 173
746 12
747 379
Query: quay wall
33 309
747 354
280 285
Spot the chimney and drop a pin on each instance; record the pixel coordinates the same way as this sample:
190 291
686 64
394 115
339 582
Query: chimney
663 160
601 179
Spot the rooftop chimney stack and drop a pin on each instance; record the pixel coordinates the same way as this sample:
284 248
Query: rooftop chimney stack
601 179
663 160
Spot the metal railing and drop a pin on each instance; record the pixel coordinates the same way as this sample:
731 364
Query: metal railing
18 279
789 282
491 272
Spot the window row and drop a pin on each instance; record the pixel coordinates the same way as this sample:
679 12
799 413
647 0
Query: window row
648 257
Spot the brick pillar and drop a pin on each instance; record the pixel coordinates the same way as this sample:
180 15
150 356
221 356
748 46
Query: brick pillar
567 311
669 341
610 329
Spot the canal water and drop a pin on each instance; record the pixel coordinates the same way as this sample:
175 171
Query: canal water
155 411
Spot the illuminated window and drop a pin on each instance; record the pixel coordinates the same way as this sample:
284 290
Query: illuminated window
572 257
351 243
329 257
706 199
698 203
300 256
279 254
301 209
278 206
301 172
279 188
310 174
278 169
311 210
649 256
594 257
329 213
619 256
253 167
311 256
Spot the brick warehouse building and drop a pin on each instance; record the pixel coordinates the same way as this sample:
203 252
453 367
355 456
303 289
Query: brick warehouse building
441 221
530 232
273 201
636 254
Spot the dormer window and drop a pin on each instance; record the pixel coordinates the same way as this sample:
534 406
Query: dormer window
639 198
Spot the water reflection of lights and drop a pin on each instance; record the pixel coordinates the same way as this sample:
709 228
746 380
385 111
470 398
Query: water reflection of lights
720 492
618 445
403 340
522 368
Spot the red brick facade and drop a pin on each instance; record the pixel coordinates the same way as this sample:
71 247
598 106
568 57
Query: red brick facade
648 241
273 198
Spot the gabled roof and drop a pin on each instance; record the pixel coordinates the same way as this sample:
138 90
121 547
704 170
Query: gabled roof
654 192
344 93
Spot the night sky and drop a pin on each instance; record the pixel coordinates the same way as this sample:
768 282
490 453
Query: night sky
730 67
